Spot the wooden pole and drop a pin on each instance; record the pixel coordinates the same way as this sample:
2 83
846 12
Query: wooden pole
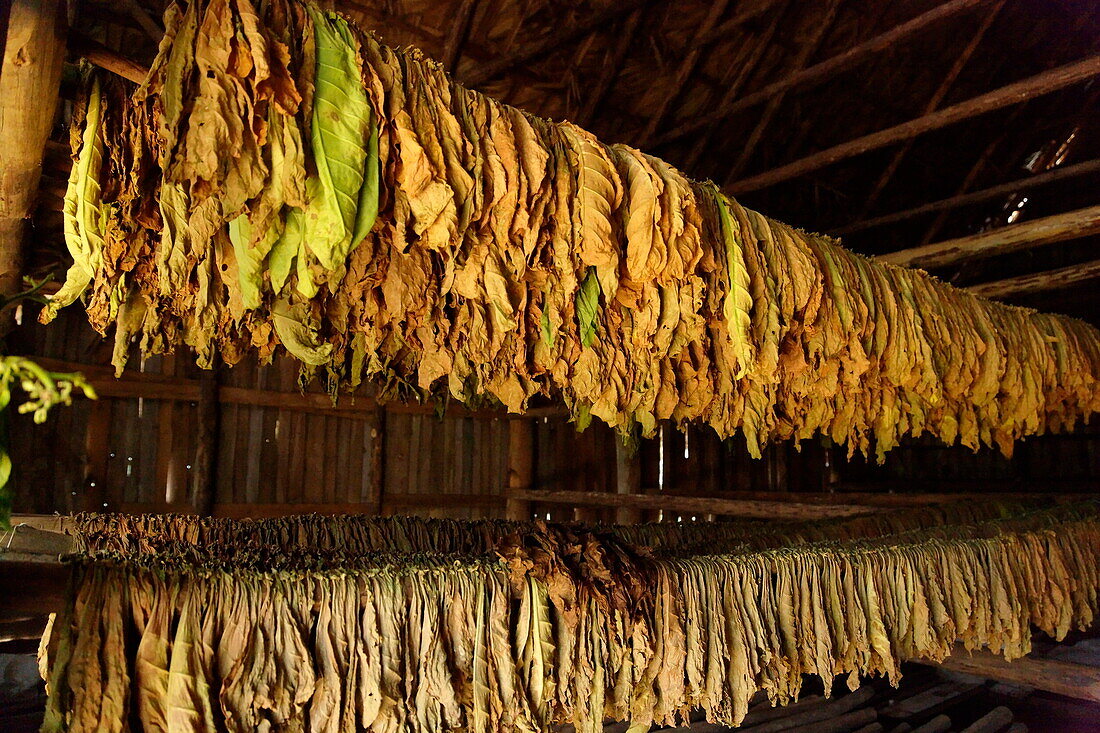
204 473
1062 173
826 69
611 68
456 38
99 55
1020 91
1012 238
628 482
1050 675
34 51
1039 282
521 455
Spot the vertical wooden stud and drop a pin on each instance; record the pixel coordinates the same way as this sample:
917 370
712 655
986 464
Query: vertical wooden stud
521 462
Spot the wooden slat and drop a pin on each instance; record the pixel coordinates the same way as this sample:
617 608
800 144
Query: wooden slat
1030 88
1051 675
1003 240
521 454
1039 282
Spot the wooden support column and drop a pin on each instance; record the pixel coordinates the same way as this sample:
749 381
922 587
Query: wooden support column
378 460
521 465
628 481
204 474
1003 240
34 51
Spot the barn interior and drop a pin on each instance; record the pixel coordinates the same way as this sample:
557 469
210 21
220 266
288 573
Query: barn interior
206 504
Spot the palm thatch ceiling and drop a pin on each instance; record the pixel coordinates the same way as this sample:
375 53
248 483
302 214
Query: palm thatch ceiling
758 95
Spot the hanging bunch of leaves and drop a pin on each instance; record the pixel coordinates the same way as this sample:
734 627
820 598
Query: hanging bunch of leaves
355 623
284 181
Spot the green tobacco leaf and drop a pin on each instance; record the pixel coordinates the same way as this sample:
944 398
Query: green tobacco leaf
738 302
343 197
588 306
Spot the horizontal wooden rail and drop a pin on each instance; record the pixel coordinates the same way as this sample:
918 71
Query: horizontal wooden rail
1036 86
1038 282
1004 240
1078 681
133 384
747 508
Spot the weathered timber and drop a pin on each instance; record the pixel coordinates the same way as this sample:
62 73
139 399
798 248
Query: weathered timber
753 509
204 475
1039 282
1020 91
826 69
1050 675
521 463
1003 240
34 52
1063 173
628 481
995 720
99 55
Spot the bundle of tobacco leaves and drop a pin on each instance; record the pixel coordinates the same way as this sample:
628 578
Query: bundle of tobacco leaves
530 633
283 180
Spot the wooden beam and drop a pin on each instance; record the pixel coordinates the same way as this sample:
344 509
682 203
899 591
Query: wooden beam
150 26
521 471
1039 282
754 509
1003 240
611 68
744 73
538 48
1020 91
1078 681
460 31
826 69
99 55
34 52
932 105
683 72
1062 173
805 53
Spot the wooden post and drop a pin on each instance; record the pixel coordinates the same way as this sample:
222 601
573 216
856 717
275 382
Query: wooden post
34 52
521 455
378 459
204 474
628 481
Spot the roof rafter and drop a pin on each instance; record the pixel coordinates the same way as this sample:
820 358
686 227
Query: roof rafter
683 72
933 104
460 31
826 69
1035 86
804 55
744 73
611 69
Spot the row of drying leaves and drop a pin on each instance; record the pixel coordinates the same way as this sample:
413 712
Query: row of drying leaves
44 390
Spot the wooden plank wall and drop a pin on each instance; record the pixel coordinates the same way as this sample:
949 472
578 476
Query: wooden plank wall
277 452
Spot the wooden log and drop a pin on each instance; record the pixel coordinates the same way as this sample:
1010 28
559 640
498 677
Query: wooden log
932 701
1013 238
826 69
1062 173
1039 282
99 55
938 724
521 455
815 717
994 721
1078 681
1021 91
697 505
204 472
34 52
